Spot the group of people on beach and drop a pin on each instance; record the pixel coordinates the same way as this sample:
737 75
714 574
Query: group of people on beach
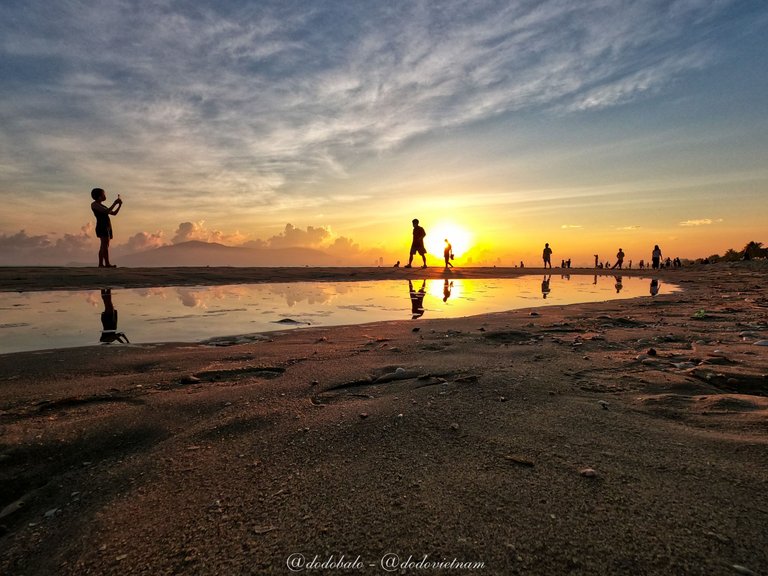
104 233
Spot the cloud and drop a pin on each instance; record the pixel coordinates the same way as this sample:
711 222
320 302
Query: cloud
700 222
22 249
22 241
188 231
571 226
143 241
263 100
343 246
629 228
293 237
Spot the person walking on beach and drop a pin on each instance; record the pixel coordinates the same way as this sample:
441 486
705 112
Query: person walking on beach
619 259
547 256
656 257
448 254
417 245
103 223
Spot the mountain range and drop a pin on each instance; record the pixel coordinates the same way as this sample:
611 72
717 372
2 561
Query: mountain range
196 253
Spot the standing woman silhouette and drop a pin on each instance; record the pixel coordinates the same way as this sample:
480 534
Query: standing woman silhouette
103 223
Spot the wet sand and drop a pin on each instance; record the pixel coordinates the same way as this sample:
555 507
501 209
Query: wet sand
610 438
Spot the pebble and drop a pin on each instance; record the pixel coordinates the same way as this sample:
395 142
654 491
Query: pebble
455 426
743 570
761 343
314 383
588 472
683 365
190 379
534 314
51 513
363 415
652 352
604 404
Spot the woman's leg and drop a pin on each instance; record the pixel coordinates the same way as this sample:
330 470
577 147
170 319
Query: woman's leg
104 252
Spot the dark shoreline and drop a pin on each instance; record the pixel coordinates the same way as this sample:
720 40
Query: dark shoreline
27 279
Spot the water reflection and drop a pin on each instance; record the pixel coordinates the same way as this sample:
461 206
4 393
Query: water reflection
417 299
109 331
447 288
545 289
40 320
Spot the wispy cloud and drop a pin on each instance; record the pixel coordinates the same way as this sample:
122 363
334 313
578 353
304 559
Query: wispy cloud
700 222
571 227
261 100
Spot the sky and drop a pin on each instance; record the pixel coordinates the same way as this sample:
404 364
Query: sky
590 124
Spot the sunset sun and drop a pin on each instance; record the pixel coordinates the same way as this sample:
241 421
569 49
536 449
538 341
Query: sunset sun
460 239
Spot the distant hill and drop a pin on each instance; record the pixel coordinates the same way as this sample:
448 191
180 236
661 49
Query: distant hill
195 253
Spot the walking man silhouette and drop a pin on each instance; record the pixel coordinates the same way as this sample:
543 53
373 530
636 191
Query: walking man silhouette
417 245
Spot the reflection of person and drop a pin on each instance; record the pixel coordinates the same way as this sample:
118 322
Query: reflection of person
618 284
417 299
103 223
545 286
547 256
109 331
448 254
447 287
654 287
417 245
656 257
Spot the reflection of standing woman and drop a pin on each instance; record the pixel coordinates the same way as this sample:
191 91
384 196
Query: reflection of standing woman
654 287
656 257
109 331
103 223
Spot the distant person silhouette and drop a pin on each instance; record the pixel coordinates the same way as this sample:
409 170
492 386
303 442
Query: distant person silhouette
521 264
545 286
417 245
654 287
641 265
447 290
103 223
619 259
656 257
109 331
619 285
596 261
397 264
547 256
417 299
448 254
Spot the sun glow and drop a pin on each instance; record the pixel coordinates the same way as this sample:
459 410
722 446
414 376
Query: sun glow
460 239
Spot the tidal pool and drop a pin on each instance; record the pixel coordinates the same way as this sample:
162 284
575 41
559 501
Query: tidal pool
60 319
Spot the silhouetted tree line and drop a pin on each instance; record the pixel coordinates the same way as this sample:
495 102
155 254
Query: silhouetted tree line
751 251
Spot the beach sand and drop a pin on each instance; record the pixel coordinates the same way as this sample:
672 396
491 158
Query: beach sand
626 437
